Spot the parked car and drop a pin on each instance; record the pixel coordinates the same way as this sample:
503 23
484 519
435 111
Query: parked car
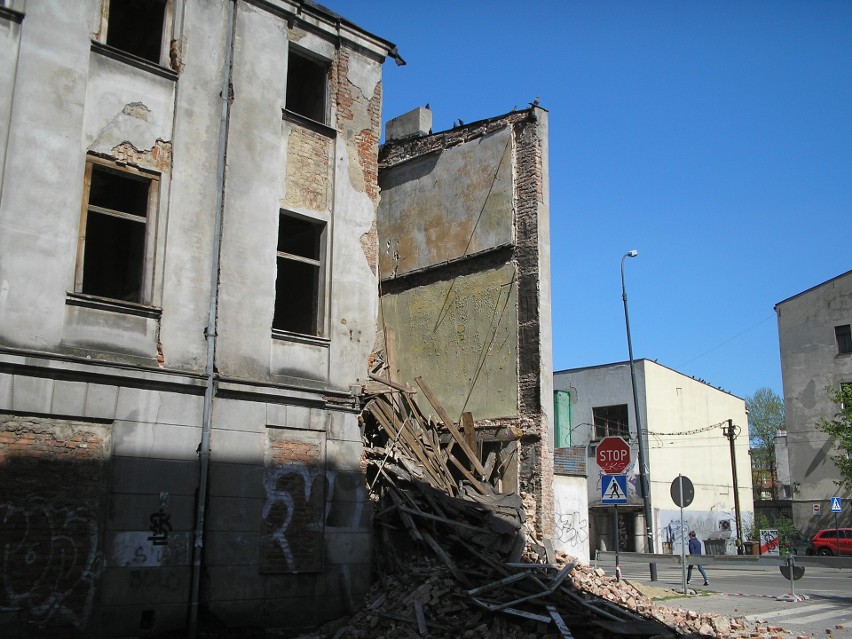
798 544
825 541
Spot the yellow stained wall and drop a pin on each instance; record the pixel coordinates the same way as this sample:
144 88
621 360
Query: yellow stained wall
466 325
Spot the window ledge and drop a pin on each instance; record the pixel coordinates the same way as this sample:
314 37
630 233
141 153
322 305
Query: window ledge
301 338
313 125
11 14
114 306
133 60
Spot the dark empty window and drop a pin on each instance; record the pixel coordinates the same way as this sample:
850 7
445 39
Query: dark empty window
610 421
306 86
114 231
136 26
843 336
298 286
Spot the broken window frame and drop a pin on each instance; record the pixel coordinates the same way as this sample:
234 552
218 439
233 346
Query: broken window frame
94 163
165 35
319 261
606 426
309 58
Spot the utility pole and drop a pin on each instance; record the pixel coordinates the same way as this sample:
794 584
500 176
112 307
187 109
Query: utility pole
730 431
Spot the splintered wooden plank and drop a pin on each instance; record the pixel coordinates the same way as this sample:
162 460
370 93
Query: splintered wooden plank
471 455
445 558
469 430
390 384
518 613
421 618
473 480
560 624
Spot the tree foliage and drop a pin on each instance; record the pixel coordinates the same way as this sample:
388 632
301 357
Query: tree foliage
841 429
765 419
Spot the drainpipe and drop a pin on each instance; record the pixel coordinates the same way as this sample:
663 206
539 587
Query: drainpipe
210 371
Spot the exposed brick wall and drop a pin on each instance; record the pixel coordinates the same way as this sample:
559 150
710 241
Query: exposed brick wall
52 496
294 509
393 153
308 182
570 461
359 122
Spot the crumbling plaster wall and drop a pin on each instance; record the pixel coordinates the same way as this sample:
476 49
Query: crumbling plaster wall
286 451
322 172
463 210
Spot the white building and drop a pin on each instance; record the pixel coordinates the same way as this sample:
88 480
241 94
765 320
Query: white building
683 419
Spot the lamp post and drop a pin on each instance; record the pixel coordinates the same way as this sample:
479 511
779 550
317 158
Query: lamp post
643 450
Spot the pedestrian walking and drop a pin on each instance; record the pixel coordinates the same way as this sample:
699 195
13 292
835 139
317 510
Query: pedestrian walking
695 549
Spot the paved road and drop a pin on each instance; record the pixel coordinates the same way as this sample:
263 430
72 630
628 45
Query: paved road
758 592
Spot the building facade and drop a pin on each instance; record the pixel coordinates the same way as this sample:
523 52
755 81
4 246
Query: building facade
816 352
464 265
188 302
683 419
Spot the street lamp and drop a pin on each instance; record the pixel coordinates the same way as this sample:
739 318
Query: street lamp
643 449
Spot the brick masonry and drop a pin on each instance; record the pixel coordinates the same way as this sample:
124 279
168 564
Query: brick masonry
53 478
308 181
293 512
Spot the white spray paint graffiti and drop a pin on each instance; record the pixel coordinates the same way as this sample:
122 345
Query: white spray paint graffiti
275 496
571 528
50 561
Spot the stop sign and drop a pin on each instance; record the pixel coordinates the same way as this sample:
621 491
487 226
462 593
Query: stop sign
613 455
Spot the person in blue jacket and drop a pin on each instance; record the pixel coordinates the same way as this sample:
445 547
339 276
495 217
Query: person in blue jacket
695 549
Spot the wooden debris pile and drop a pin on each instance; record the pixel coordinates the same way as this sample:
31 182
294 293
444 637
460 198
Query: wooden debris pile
453 554
436 491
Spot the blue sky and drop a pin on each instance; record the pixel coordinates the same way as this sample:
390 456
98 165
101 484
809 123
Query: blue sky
713 137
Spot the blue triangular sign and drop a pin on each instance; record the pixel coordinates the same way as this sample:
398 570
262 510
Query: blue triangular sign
835 504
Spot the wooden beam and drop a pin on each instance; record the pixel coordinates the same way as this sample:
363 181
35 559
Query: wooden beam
477 465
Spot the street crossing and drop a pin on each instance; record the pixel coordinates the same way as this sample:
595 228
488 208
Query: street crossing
825 614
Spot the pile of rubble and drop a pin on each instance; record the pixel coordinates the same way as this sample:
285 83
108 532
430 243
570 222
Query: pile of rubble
454 555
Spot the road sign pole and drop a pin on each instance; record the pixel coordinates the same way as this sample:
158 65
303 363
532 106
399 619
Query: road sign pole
615 541
682 547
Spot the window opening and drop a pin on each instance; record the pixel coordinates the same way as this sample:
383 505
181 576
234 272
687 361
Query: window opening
136 26
610 421
306 86
843 336
114 238
299 275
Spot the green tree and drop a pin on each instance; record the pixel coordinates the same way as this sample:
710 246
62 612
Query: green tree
841 429
765 419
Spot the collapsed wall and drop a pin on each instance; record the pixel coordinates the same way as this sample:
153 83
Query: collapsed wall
464 269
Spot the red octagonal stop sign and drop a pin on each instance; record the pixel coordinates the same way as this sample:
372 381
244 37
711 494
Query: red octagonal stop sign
613 455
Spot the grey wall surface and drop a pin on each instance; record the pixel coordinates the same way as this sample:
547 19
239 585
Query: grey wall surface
809 363
115 390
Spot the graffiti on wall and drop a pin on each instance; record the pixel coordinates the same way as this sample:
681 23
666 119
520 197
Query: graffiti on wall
50 561
571 529
293 518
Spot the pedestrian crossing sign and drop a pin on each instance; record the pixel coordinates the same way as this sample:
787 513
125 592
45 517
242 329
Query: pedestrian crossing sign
614 490
835 504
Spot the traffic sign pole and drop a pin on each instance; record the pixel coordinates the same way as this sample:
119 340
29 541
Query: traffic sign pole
682 548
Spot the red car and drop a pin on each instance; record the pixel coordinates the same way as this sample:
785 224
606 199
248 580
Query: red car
825 541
